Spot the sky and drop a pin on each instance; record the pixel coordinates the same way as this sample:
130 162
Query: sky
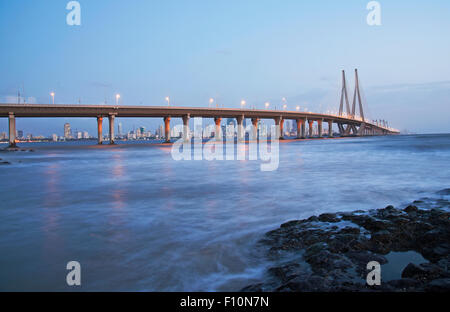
256 50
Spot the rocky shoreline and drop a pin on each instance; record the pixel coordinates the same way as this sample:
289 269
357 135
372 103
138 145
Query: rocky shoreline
330 252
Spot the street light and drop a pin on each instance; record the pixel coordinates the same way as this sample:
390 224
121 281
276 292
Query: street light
243 103
284 106
117 98
267 105
52 94
211 101
297 108
168 100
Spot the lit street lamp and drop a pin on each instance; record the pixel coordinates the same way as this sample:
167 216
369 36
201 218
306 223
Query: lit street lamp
168 100
52 94
243 103
211 101
297 108
267 105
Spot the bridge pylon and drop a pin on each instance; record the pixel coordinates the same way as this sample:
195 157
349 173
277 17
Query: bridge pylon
344 96
357 96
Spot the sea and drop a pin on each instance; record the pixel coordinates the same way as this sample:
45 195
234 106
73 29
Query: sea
136 219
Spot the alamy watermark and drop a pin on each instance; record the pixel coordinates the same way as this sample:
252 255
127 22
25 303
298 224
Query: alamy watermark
374 16
73 18
229 145
374 276
73 278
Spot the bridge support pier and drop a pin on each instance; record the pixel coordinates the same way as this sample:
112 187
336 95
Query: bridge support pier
320 127
100 130
310 128
300 128
279 122
186 127
167 129
12 130
240 128
255 122
111 129
330 128
218 134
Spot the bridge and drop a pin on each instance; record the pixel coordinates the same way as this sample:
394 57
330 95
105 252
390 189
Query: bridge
349 124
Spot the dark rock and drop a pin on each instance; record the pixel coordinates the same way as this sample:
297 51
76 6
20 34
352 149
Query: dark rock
5 163
334 257
328 217
411 208
444 192
405 284
254 288
422 272
442 284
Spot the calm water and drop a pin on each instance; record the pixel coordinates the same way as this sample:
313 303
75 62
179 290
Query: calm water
137 220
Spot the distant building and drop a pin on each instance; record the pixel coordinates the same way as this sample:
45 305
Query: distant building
3 136
67 131
19 134
85 135
54 138
231 121
119 129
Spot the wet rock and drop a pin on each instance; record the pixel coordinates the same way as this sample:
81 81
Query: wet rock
442 284
444 192
328 217
411 208
5 163
336 247
405 284
426 271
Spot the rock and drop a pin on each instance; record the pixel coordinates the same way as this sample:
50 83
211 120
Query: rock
405 284
411 208
5 163
328 217
334 254
442 284
444 192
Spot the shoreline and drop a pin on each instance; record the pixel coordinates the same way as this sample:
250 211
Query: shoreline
330 252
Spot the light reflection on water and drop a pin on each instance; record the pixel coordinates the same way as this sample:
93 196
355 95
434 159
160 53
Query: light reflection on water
137 220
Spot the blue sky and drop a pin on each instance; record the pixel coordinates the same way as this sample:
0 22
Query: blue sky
257 50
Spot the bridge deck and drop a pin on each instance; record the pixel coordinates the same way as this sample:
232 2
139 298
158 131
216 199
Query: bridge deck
47 110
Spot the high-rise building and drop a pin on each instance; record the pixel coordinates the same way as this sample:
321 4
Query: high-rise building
19 134
54 137
231 121
119 129
67 131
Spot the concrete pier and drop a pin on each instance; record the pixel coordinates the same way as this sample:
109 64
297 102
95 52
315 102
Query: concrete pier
330 128
100 130
12 130
218 122
240 128
310 128
167 129
186 127
255 122
111 129
279 122
320 127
